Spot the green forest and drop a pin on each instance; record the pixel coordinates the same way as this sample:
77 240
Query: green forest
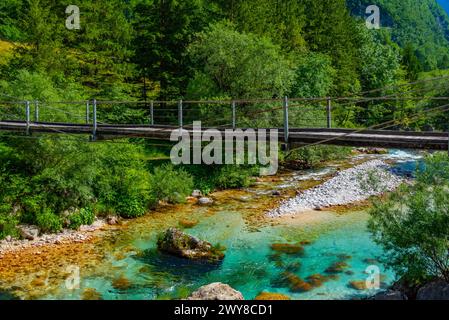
143 50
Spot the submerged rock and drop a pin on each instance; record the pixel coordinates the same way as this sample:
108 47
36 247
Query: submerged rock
271 296
287 248
121 283
337 267
216 291
358 285
185 223
91 294
178 243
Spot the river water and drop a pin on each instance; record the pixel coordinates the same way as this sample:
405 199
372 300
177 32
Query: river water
128 266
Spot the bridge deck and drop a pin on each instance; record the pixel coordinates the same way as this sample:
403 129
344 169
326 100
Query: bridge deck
297 137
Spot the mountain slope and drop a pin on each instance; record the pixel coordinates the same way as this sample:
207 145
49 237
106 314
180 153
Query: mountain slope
422 23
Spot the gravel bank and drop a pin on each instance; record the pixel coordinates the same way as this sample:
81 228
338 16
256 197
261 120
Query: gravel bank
371 178
66 236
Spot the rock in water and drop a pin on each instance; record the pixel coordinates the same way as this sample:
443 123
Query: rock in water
436 290
28 232
180 244
390 295
205 201
216 291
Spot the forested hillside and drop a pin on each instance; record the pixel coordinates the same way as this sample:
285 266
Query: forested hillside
188 49
421 24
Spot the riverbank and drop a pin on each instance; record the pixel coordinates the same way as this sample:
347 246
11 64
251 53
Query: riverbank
85 233
372 178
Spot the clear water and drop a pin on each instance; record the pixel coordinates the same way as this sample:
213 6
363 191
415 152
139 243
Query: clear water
250 265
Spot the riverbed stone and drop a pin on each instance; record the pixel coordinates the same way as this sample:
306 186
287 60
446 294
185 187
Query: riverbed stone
197 194
112 220
435 290
216 291
178 243
28 232
205 201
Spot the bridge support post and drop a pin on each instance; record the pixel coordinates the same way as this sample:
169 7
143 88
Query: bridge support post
27 114
36 111
87 112
286 130
180 113
94 130
152 113
233 115
329 113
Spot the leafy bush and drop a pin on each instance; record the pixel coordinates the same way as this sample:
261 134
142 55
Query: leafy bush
314 155
171 184
413 224
47 221
85 216
8 224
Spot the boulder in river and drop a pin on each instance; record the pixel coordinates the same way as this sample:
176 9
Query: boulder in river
436 290
216 291
178 243
390 295
28 232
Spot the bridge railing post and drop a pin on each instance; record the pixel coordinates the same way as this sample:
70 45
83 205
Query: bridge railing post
36 111
94 122
329 113
27 115
180 113
286 129
87 112
152 113
233 115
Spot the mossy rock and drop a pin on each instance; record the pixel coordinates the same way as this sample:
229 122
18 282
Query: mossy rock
288 248
337 267
178 243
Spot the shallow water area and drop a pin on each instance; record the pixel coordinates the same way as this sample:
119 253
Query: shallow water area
333 249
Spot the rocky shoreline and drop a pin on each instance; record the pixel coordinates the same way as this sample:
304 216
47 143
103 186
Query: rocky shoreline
372 178
85 233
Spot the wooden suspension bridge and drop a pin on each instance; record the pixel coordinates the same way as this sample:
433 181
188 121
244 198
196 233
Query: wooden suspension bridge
290 136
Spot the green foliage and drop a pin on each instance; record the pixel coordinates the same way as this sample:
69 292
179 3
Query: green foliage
213 177
47 221
413 225
85 216
422 24
314 155
237 64
171 184
314 76
8 223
